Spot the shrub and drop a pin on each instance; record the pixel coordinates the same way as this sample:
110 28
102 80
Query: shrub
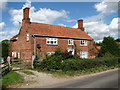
67 62
53 62
72 64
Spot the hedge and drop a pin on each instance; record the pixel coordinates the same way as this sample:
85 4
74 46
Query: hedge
55 63
72 64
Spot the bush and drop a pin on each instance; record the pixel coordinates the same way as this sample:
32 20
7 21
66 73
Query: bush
53 62
66 62
72 64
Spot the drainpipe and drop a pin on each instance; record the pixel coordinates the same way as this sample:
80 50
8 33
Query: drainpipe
35 46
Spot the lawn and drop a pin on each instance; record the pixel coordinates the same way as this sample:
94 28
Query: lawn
11 78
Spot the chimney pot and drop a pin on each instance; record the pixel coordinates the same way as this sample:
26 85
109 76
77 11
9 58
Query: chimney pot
80 24
26 13
26 18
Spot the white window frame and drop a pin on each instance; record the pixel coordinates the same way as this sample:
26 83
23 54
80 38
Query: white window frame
50 40
70 42
83 54
83 42
14 54
18 54
71 49
27 37
50 53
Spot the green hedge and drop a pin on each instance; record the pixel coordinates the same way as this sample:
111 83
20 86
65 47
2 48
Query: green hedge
65 61
55 63
72 64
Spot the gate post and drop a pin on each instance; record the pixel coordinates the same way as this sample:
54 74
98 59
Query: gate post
33 58
8 59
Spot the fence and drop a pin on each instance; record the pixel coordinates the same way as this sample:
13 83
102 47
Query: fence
5 68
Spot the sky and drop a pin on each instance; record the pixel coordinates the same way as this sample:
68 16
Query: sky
101 19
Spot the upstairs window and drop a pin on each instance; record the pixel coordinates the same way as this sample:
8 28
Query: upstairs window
83 42
27 36
70 42
51 41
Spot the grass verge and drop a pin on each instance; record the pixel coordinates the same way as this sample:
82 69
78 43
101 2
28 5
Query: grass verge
27 72
72 73
12 78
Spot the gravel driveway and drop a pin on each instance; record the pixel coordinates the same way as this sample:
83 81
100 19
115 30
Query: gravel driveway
39 79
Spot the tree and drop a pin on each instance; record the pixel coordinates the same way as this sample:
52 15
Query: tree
109 45
5 48
117 40
98 43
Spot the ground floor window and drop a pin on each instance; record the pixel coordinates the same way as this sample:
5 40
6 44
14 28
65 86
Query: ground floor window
50 53
18 54
83 54
14 54
71 50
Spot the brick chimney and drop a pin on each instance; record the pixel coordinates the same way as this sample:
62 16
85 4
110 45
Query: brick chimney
80 24
26 18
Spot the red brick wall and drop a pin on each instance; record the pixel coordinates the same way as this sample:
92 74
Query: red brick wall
63 43
21 45
13 47
26 48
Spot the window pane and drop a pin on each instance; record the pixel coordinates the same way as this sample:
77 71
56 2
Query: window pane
51 42
48 42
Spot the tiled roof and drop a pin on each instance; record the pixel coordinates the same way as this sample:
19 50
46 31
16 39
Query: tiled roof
14 37
54 30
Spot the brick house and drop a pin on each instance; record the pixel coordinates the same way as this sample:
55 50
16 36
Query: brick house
44 38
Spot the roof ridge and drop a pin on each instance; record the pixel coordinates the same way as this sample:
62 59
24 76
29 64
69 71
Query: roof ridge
55 25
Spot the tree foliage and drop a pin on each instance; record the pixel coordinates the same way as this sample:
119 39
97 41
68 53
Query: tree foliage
5 48
109 45
98 43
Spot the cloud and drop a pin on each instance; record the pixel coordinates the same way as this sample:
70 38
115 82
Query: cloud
8 33
95 25
114 24
3 4
43 15
62 25
98 29
71 20
2 24
106 7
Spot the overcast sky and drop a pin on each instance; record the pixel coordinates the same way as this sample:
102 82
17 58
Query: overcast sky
100 18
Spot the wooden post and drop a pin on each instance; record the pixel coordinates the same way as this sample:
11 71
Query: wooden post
33 58
8 59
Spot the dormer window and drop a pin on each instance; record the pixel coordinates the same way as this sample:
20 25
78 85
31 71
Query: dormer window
27 36
70 42
83 42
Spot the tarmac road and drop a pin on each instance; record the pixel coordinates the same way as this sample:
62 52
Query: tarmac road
107 79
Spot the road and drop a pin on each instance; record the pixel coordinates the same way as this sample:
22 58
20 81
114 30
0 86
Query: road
107 79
